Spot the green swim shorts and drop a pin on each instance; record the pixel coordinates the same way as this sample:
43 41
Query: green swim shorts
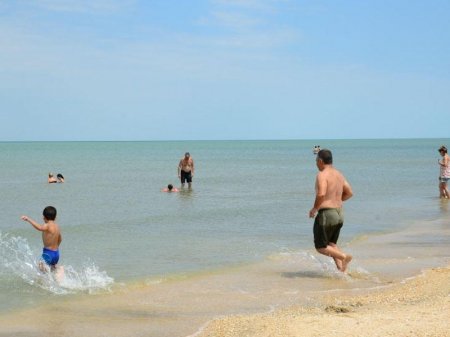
327 226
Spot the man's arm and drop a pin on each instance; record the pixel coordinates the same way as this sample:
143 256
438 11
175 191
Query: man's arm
347 192
192 170
179 168
39 227
321 190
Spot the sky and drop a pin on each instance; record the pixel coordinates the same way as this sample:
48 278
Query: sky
82 70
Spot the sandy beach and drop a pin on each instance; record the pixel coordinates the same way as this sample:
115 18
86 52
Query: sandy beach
417 307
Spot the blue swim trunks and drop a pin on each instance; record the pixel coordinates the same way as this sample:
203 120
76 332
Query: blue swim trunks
51 257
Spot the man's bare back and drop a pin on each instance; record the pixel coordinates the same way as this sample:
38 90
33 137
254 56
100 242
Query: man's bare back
331 184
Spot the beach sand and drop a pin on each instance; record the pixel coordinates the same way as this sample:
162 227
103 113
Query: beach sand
417 307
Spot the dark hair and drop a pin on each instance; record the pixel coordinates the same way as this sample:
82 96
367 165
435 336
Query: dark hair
59 175
49 213
443 149
170 186
326 156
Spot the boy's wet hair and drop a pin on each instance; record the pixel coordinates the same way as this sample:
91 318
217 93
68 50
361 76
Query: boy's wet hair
326 156
170 187
49 213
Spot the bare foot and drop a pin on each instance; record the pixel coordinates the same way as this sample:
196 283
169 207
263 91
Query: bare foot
345 262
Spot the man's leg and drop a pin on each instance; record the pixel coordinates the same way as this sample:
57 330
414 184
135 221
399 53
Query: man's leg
183 179
340 258
189 180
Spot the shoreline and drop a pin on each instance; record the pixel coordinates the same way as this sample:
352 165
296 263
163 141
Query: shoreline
417 306
166 311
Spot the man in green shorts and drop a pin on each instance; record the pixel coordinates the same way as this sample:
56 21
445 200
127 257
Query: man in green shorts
332 189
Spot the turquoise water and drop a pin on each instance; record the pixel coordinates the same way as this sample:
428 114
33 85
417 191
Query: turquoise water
250 201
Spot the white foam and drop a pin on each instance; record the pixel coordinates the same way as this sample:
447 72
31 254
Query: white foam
18 260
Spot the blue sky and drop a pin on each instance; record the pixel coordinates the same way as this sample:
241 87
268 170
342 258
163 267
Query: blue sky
223 69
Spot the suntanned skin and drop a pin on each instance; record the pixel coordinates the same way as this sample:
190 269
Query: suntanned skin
444 162
51 235
332 189
186 164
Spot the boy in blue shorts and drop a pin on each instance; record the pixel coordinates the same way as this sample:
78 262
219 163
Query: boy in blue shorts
51 236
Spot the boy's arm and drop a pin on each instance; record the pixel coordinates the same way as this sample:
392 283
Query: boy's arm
39 227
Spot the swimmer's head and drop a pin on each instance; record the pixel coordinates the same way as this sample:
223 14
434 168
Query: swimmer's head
170 187
443 149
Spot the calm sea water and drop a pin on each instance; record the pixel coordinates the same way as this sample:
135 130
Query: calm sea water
250 201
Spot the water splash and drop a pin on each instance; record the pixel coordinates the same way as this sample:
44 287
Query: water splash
18 260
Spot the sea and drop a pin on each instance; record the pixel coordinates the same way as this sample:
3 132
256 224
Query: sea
141 262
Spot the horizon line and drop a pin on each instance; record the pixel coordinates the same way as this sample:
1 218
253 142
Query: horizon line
211 140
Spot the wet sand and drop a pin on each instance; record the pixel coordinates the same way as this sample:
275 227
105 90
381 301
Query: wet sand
185 307
416 307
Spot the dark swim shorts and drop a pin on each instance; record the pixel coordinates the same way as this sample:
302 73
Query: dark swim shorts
327 226
186 176
51 257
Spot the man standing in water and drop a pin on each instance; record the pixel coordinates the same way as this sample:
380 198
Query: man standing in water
186 169
332 189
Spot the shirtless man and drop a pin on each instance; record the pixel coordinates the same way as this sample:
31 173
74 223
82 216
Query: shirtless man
186 169
51 236
332 189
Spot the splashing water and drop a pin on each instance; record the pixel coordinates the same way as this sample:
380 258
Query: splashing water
17 259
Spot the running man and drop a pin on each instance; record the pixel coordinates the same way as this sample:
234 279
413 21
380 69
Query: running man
332 189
